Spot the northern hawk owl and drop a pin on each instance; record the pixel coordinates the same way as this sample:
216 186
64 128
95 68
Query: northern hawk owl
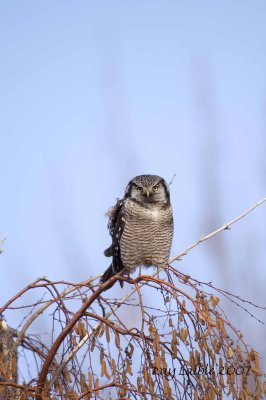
141 226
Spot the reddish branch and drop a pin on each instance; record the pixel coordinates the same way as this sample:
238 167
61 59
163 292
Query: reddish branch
17 386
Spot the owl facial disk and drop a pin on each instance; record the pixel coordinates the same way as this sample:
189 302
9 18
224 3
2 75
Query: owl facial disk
148 189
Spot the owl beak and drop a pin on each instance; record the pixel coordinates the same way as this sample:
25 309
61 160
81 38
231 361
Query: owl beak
147 193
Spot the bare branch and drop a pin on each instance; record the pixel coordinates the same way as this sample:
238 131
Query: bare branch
133 290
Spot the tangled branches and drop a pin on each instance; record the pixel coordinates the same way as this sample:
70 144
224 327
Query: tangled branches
183 348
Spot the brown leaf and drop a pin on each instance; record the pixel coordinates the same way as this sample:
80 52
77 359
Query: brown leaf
101 356
67 376
230 352
107 333
131 350
90 379
152 329
101 330
103 370
117 340
128 368
214 301
93 343
96 385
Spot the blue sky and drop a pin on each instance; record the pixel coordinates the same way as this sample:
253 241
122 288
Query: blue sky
96 92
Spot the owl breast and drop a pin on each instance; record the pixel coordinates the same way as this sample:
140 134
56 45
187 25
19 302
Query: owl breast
147 235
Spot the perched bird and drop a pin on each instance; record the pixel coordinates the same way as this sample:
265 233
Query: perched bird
141 226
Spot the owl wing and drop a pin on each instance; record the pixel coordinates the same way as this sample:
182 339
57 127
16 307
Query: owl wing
116 226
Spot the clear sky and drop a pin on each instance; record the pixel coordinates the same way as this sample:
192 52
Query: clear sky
93 93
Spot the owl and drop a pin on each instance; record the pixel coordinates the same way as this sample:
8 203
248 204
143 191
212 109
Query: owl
141 226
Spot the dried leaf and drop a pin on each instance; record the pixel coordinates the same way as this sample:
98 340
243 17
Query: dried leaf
152 329
230 352
113 366
214 301
184 334
90 379
256 360
217 344
128 368
139 383
180 317
239 353
83 383
96 385
145 374
74 340
93 343
67 376
131 350
101 330
166 388
103 370
157 362
207 331
117 340
107 333
122 393
156 342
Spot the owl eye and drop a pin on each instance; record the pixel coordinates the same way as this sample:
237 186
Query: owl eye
155 188
139 189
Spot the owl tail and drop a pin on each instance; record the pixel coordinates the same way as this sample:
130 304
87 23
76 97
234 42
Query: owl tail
107 275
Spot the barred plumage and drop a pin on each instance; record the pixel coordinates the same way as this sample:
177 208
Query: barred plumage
141 226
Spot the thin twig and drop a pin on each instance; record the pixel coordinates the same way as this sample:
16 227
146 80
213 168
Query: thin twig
171 181
2 241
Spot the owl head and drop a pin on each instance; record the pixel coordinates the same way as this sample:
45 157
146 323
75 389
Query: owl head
148 189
